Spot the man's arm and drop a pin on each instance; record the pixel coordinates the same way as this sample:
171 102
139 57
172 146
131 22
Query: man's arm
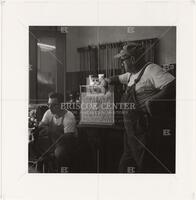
159 101
164 82
110 81
69 124
44 123
45 119
116 80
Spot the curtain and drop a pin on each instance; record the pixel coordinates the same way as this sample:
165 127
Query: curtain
100 59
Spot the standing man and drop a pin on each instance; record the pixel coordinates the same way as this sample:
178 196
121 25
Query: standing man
59 125
147 83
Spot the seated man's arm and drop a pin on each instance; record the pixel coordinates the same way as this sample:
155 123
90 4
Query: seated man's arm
70 124
44 123
45 119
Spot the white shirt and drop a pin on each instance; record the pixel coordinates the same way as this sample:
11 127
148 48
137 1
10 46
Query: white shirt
69 122
154 77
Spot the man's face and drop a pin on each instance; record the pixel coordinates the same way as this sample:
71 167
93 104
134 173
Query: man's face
129 63
54 105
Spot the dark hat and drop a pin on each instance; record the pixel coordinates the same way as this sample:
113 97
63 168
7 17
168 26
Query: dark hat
130 49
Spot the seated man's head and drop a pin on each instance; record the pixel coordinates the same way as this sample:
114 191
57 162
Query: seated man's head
132 56
54 102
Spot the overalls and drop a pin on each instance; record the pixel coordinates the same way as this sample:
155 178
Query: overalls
136 127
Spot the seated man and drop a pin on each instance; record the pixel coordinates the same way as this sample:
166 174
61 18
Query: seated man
59 127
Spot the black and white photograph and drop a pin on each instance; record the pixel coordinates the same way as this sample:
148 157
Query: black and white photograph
102 99
98 100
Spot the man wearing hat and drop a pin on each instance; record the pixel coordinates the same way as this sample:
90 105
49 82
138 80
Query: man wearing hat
147 83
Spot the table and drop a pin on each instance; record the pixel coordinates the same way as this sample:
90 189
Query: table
105 144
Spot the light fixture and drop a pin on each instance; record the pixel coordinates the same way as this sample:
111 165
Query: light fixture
46 47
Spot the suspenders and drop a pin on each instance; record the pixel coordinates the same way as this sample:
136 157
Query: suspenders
140 75
130 93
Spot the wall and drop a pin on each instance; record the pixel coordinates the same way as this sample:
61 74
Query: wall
83 36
